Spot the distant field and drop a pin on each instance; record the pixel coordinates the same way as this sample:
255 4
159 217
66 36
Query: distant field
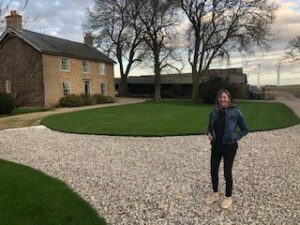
289 88
294 89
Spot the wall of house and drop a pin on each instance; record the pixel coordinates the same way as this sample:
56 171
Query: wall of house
21 64
54 78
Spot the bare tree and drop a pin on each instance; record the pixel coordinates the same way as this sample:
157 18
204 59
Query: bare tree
23 69
25 92
158 20
291 56
219 27
118 32
294 49
4 9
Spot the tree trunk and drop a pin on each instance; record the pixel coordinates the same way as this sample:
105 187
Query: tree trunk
157 96
195 93
123 91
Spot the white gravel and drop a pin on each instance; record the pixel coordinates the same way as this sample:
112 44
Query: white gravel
164 180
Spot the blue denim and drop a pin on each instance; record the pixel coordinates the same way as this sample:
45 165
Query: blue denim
233 118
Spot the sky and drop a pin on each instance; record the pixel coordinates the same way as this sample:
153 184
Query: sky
64 18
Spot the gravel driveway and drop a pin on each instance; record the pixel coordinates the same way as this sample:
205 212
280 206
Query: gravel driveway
164 180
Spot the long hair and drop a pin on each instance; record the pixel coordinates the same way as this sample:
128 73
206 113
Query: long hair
220 92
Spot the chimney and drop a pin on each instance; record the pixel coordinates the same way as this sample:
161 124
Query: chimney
14 20
88 39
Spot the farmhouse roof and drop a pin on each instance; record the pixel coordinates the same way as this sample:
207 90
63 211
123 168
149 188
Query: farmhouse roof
58 46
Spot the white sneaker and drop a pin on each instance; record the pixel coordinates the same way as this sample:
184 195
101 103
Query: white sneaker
227 202
212 198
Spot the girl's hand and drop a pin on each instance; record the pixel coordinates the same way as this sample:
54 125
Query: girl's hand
210 136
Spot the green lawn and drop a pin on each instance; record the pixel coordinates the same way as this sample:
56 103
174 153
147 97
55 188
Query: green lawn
166 118
18 111
29 197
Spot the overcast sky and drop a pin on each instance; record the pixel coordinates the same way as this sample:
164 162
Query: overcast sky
63 18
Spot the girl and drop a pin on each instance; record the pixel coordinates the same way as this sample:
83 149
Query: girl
223 137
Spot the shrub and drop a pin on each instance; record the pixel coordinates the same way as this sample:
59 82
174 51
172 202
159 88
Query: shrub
7 103
110 99
208 88
71 100
101 99
56 105
88 99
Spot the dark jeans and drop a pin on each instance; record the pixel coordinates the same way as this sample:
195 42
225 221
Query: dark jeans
228 156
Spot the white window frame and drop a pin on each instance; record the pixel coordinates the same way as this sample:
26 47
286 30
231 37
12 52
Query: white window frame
88 66
102 69
8 86
101 90
69 87
68 64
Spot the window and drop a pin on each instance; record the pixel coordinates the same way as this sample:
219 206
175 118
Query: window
102 69
85 66
103 89
8 86
65 64
66 88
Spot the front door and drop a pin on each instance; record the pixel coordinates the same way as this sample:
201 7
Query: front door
87 87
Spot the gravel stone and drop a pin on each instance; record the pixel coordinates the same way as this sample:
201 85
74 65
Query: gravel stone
164 180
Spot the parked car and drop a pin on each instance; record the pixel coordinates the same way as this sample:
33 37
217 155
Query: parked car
255 93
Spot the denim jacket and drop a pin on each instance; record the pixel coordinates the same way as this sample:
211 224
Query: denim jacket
233 118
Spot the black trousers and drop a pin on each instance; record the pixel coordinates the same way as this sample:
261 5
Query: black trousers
228 157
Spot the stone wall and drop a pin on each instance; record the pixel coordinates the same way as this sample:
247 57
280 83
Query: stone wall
54 78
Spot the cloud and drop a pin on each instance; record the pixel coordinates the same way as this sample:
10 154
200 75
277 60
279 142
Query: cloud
62 18
287 25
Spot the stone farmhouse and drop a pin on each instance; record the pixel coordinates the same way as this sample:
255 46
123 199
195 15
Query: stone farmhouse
39 69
